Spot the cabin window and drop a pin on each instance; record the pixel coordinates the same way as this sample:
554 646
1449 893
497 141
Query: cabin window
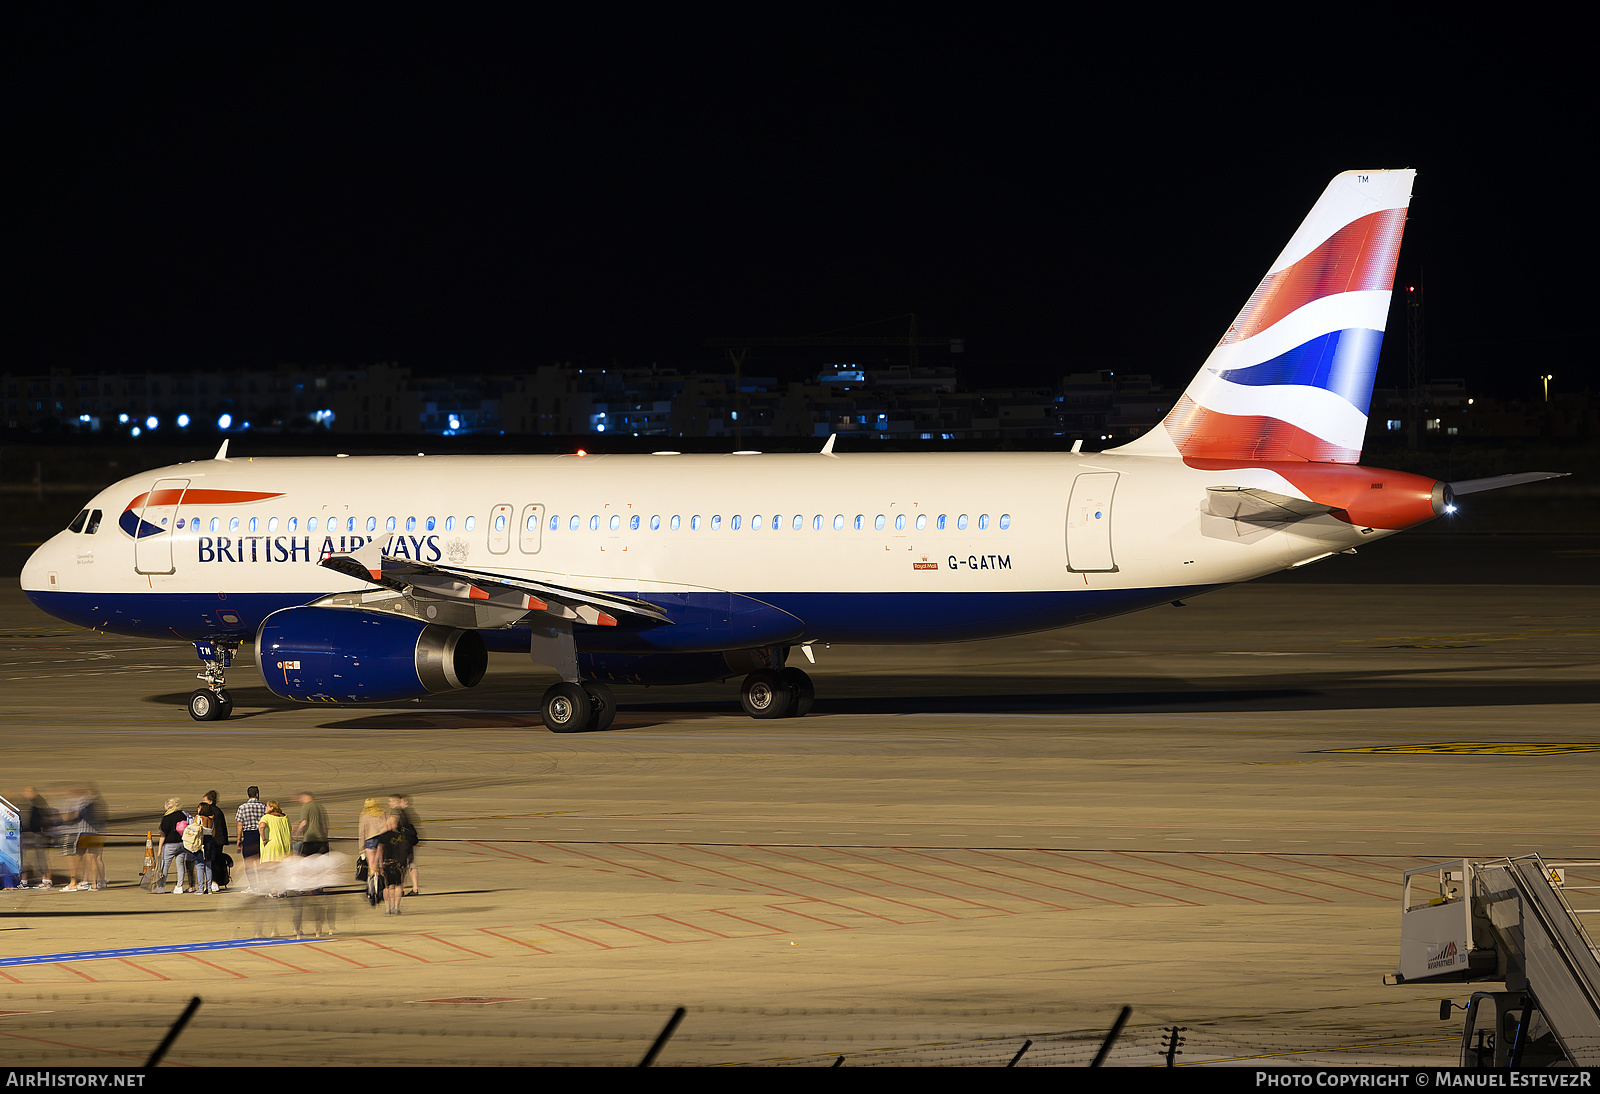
1005 521
411 524
272 524
533 522
961 522
838 522
255 524
633 523
469 524
616 522
233 524
861 521
655 523
294 524
922 521
449 524
983 522
877 523
716 523
555 524
694 523
816 523
799 522
388 525
733 522
372 524
311 524
899 522
942 519
429 524
594 523
675 522
755 523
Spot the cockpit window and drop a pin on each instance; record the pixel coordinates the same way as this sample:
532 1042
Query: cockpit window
77 521
94 523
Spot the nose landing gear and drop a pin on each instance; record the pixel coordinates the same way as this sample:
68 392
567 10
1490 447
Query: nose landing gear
212 702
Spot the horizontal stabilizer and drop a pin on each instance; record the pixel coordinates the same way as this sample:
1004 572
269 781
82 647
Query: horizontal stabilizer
1255 506
1495 482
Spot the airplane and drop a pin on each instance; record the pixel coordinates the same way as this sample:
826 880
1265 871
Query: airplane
379 579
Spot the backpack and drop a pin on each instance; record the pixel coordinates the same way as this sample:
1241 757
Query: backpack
193 836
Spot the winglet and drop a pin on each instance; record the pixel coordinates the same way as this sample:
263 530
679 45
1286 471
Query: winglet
222 453
827 449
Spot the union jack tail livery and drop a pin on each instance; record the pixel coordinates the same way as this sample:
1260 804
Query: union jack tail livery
1291 379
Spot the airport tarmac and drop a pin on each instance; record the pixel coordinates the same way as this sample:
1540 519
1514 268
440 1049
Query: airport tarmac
1201 812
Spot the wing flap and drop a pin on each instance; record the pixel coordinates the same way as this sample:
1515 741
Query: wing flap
496 599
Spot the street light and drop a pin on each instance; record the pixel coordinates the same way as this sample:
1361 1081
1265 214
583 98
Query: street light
1547 380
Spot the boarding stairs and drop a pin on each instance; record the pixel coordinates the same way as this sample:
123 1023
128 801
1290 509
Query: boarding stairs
1519 921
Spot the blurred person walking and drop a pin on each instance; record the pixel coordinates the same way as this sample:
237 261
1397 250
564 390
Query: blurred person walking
311 830
214 829
248 818
401 803
369 826
174 821
36 820
394 849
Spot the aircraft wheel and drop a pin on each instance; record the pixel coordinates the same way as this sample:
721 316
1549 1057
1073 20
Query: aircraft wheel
566 708
203 705
604 703
804 693
227 703
766 695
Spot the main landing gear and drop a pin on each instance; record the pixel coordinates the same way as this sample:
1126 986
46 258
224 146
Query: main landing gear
212 702
578 708
783 694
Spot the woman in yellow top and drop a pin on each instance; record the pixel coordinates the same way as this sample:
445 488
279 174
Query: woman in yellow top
369 827
275 846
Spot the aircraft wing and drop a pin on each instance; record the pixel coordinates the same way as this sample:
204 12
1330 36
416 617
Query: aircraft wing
461 597
1253 506
1495 482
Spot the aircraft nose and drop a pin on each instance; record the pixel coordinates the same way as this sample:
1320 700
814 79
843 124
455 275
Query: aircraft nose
40 565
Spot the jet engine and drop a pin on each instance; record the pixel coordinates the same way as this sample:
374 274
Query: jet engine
338 655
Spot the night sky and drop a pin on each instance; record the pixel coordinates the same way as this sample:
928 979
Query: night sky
477 192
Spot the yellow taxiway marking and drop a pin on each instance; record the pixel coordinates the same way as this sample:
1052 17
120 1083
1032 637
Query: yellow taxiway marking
1481 748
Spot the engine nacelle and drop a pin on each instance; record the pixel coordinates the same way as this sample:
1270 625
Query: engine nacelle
339 655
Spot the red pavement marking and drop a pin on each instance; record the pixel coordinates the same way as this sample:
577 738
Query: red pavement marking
506 851
75 972
579 937
1153 877
774 890
274 960
1002 873
959 881
518 941
1330 869
84 1048
1050 869
752 922
443 942
620 866
1311 881
829 884
219 968
818 919
141 968
635 930
391 949
1116 884
692 926
1225 877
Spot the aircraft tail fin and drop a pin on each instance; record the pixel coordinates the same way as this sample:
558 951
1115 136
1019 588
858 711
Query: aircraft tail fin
1292 377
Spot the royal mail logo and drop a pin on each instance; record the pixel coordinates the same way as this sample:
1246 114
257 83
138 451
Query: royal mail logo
924 565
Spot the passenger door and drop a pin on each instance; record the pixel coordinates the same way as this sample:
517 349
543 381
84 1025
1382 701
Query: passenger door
1089 523
152 543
